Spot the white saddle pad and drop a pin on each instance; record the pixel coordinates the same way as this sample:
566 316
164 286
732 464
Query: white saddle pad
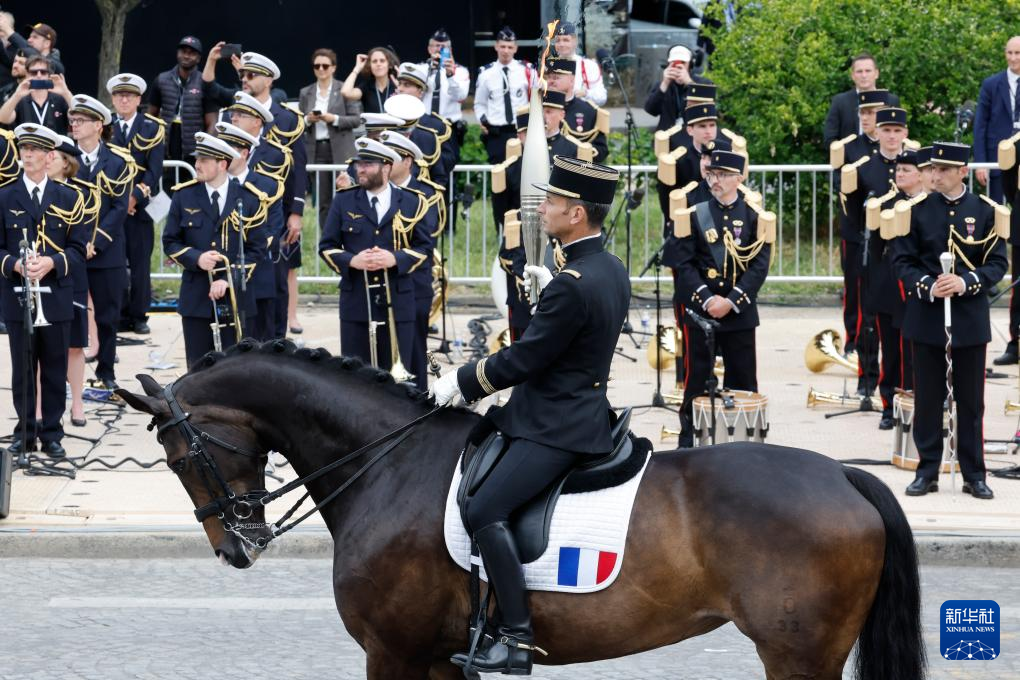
586 538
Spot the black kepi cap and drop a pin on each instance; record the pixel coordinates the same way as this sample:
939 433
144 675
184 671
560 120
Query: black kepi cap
701 92
950 153
871 98
727 161
554 99
581 180
891 115
700 112
559 65
924 157
908 157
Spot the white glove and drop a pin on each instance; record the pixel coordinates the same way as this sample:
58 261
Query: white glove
446 389
543 275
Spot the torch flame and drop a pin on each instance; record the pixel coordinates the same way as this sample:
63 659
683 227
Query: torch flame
550 31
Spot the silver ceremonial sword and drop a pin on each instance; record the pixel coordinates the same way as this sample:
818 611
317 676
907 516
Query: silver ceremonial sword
946 260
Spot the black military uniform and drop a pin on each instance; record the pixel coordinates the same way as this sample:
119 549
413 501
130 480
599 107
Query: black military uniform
352 226
113 172
724 251
199 221
558 413
583 121
47 217
145 139
688 165
1012 197
966 226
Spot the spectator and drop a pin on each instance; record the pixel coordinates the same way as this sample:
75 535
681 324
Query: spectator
18 74
997 117
842 119
503 86
176 97
46 106
376 86
447 86
329 119
668 99
588 83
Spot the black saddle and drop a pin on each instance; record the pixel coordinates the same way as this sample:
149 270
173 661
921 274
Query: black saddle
530 522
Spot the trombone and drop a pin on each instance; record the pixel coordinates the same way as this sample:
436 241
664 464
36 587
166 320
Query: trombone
217 325
397 370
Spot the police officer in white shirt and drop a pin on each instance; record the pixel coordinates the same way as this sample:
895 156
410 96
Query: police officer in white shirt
588 83
453 79
502 87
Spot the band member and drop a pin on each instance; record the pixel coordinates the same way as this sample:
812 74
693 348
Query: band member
876 184
701 131
851 220
268 188
720 253
274 160
908 182
112 170
582 121
375 237
975 232
144 138
924 166
558 413
41 216
1008 181
502 87
588 82
423 278
432 134
212 223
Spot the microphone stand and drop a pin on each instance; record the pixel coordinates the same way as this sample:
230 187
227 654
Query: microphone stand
240 332
709 327
657 399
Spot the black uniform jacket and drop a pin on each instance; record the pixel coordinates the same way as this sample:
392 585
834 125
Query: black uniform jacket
579 122
56 232
982 265
114 177
876 179
704 268
422 276
351 227
851 213
561 364
193 228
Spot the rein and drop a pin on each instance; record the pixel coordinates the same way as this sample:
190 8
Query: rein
242 505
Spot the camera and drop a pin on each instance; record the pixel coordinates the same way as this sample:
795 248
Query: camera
40 84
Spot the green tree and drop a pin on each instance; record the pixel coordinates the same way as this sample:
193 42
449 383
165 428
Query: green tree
781 62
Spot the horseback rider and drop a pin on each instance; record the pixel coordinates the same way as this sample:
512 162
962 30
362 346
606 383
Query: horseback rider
559 414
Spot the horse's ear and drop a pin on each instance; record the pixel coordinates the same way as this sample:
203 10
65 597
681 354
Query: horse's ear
149 384
153 406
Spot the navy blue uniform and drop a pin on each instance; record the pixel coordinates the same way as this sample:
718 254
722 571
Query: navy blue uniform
264 281
704 266
352 227
191 229
422 277
275 161
55 229
146 142
434 136
966 224
112 174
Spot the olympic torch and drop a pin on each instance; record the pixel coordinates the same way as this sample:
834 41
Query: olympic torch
535 170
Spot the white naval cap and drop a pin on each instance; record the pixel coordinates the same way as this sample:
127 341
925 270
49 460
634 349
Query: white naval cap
369 149
258 63
415 73
91 107
407 107
246 103
403 145
211 147
235 136
374 122
126 82
37 135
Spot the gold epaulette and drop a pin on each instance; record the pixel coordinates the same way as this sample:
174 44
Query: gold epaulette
682 222
1001 217
585 151
188 183
499 174
837 151
848 175
903 210
511 231
602 121
667 165
873 209
662 137
766 222
146 143
738 142
887 224
513 148
155 119
678 197
750 195
1007 152
911 144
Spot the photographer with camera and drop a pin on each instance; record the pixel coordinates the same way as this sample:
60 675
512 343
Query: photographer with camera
447 86
41 98
668 99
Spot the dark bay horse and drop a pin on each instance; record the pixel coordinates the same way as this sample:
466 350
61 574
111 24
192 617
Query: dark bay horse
807 557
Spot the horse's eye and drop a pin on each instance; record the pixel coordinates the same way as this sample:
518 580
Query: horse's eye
178 465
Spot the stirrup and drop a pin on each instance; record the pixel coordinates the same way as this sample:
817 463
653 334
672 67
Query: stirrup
514 642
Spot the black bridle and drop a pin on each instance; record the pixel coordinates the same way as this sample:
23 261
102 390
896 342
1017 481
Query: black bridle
242 505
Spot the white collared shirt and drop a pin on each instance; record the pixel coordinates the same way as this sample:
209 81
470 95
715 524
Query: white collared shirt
452 91
128 122
31 186
385 196
322 106
90 158
588 76
491 86
221 191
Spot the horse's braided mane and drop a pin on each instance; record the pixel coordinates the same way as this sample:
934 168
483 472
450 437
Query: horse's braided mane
320 358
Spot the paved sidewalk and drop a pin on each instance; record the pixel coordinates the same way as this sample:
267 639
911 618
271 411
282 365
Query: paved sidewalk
130 499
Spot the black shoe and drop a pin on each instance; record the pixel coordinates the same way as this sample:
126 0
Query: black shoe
510 650
141 327
887 423
978 489
921 486
15 448
109 384
53 449
1008 357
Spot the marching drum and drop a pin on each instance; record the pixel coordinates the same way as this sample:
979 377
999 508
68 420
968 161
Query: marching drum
740 416
904 451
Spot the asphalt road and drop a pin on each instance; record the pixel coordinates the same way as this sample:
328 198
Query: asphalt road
95 619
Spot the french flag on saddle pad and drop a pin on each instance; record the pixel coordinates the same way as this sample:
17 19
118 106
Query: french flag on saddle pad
584 567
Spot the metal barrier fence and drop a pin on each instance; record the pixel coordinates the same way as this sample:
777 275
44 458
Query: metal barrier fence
807 240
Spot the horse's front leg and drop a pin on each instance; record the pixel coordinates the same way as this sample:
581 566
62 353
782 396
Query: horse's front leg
387 664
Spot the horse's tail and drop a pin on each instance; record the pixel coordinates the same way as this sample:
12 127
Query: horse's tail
891 644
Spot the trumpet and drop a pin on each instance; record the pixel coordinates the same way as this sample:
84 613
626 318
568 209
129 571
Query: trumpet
397 370
1011 407
667 433
816 397
826 348
373 325
662 352
35 299
217 325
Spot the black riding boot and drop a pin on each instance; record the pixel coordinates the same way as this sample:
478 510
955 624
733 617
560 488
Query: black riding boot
509 652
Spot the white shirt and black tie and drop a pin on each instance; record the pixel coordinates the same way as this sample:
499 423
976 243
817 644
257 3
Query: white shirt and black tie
500 90
125 127
36 191
381 202
216 197
90 158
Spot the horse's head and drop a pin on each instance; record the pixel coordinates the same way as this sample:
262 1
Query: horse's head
215 452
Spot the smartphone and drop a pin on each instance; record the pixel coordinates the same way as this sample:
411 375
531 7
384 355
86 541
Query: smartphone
231 49
40 84
316 112
444 54
675 64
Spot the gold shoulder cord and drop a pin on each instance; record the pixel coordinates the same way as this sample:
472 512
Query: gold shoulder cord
437 200
288 138
91 204
403 226
144 144
581 135
434 156
116 187
423 172
279 185
9 163
280 170
956 238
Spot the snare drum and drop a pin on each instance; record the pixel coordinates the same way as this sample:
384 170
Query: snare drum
740 416
904 451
